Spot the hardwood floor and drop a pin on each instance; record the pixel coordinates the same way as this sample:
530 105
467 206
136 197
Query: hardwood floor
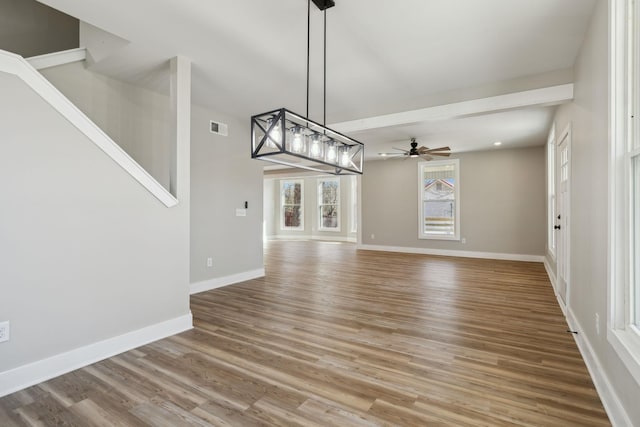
335 336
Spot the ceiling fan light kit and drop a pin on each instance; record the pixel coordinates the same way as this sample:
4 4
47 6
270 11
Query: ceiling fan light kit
284 137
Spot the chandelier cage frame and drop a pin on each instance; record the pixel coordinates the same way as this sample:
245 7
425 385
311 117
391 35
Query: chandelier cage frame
284 137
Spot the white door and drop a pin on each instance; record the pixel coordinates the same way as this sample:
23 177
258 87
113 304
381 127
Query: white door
563 160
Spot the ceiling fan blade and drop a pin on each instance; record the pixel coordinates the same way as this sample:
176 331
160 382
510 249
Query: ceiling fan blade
426 157
400 149
428 150
439 154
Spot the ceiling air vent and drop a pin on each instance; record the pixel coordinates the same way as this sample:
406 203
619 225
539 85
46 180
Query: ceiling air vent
218 128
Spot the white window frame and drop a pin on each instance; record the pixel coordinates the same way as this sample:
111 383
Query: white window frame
282 204
321 227
354 204
551 192
623 335
421 167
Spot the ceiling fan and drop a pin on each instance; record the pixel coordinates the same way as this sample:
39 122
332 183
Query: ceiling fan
422 152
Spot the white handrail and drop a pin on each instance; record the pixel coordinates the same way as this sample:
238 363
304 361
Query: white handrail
15 64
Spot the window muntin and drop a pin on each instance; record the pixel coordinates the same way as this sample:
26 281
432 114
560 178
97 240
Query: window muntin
329 204
292 204
439 200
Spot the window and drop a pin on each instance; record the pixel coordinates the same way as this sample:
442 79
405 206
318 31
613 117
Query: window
329 204
292 202
354 204
624 168
551 191
439 189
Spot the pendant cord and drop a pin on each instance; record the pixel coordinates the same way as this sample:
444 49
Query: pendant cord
308 44
324 121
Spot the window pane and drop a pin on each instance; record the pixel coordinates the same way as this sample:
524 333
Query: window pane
292 193
329 215
329 204
439 204
635 186
329 192
292 216
292 209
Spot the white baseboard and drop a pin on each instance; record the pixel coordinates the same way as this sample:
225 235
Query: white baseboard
218 282
552 279
315 237
43 370
615 410
453 253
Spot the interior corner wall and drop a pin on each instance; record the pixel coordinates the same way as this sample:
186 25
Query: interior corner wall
137 119
311 229
29 28
223 178
588 295
502 203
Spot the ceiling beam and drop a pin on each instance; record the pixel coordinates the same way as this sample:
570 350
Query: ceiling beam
547 96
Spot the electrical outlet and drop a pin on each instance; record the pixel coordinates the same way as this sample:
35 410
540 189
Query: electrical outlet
463 241
4 331
373 236
597 324
209 262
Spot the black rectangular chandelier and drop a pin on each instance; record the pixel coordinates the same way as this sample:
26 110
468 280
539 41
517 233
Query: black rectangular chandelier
284 137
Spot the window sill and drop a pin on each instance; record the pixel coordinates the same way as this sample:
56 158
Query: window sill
435 237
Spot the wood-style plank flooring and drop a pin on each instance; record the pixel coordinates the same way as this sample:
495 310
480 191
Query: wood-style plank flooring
338 337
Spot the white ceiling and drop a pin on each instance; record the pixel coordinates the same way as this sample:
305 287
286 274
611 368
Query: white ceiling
249 56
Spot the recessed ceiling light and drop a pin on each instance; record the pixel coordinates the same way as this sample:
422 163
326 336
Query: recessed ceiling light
497 143
382 154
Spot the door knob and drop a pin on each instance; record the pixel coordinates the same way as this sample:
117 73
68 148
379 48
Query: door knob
557 227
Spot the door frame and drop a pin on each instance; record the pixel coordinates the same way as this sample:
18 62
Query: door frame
566 221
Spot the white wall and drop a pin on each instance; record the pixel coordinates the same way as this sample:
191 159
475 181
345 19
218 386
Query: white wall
135 118
502 203
223 177
588 116
86 253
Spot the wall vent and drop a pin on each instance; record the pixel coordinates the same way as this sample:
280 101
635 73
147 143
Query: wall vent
218 128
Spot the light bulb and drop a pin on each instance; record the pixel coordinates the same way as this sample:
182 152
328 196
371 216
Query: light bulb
275 134
315 149
345 159
332 155
296 145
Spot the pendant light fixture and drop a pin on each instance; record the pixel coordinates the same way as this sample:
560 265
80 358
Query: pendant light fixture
284 137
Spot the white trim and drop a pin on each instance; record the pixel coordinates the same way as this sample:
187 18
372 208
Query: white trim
456 197
552 279
550 273
529 98
18 66
612 405
307 237
453 253
54 59
43 370
219 282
